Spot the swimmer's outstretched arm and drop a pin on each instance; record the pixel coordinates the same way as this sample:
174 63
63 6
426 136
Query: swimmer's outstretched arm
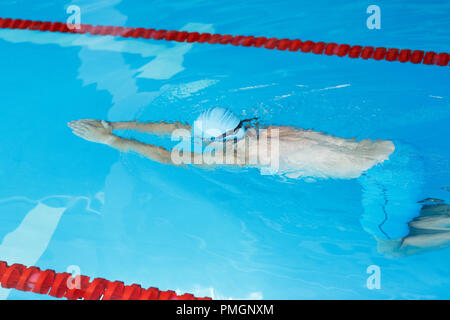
150 151
157 128
103 134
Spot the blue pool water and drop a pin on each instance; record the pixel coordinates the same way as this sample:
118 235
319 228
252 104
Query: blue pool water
225 233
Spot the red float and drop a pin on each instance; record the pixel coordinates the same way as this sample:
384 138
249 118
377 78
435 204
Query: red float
59 285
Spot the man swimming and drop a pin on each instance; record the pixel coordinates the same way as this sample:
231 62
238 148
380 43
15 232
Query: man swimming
299 153
221 138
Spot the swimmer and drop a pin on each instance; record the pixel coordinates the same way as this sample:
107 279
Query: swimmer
389 180
296 152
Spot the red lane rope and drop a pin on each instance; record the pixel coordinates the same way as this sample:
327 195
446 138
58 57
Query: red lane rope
20 277
329 49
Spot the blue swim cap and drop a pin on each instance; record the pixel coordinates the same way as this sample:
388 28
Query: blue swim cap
215 122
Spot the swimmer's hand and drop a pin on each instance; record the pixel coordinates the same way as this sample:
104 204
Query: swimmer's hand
92 131
93 122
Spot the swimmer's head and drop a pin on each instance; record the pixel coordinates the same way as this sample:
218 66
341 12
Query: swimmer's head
219 124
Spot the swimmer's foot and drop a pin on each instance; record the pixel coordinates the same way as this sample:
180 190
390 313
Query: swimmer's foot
429 231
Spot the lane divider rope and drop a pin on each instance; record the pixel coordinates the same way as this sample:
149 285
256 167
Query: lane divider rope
320 48
20 277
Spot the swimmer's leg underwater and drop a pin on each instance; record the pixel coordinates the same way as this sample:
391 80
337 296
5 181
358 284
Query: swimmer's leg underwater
429 231
392 212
